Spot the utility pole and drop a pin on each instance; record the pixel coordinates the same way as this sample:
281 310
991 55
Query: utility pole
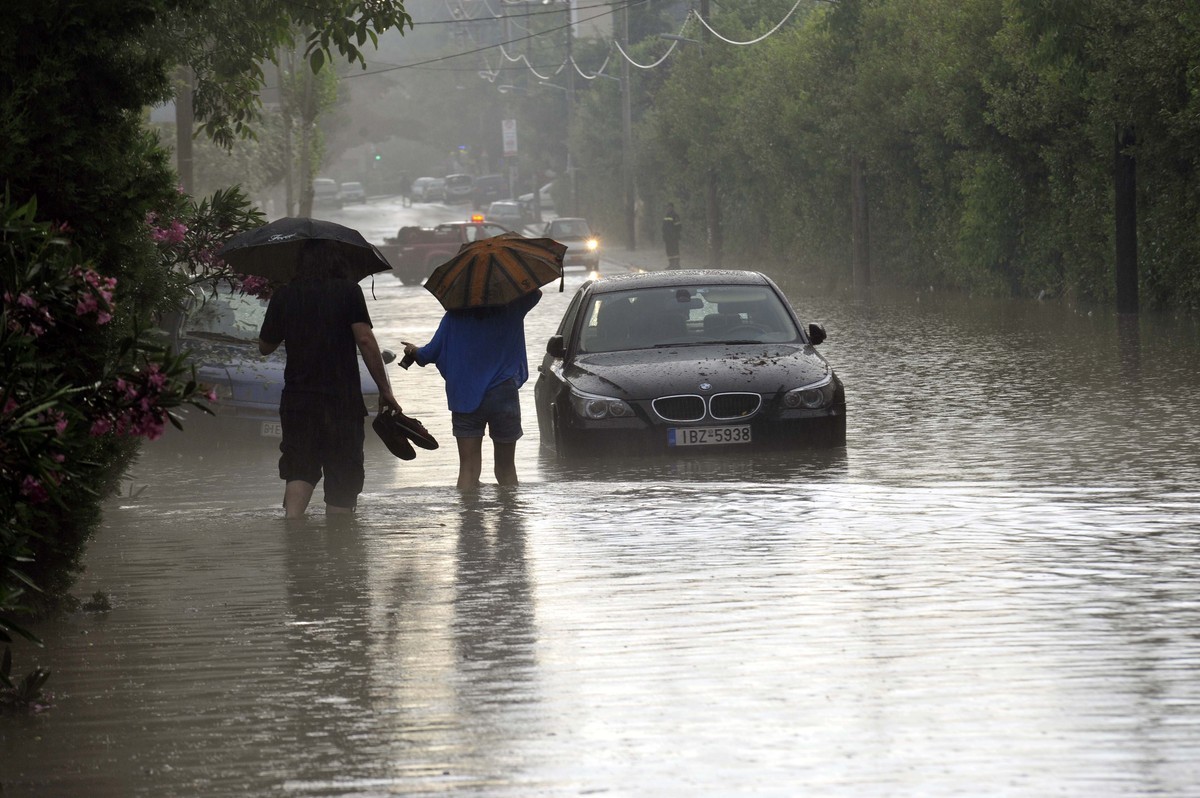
712 205
285 112
627 139
571 182
185 120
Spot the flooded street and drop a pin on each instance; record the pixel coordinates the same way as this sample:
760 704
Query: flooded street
993 590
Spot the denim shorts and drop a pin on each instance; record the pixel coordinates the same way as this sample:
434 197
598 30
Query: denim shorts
499 412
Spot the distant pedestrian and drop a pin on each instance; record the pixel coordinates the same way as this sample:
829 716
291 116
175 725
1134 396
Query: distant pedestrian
322 318
480 352
671 233
405 191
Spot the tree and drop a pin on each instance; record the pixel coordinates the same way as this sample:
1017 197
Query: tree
74 80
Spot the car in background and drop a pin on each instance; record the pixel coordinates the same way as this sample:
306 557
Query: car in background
547 201
583 247
508 213
487 189
218 331
428 189
459 188
326 193
353 192
681 361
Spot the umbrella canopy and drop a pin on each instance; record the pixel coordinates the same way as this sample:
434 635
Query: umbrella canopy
496 271
272 251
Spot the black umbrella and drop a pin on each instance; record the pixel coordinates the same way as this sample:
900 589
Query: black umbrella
272 251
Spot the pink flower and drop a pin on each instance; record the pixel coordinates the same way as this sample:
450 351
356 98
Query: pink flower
33 490
153 429
212 394
101 426
86 304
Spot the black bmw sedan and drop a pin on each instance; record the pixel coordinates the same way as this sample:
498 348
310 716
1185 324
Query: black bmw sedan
685 360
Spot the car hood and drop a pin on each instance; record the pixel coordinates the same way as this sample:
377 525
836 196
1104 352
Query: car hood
649 373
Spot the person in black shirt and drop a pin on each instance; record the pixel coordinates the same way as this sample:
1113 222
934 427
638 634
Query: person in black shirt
322 318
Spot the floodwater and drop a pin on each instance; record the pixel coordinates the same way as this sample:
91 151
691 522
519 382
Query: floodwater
992 591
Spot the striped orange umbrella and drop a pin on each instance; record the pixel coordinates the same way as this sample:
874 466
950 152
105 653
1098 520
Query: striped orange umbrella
496 271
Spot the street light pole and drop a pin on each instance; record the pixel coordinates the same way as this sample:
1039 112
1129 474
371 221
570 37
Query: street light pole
574 195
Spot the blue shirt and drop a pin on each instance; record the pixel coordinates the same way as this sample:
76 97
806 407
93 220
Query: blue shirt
476 351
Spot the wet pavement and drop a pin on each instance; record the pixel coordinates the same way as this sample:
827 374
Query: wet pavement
993 590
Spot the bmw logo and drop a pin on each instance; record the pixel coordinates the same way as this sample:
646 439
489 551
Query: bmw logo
706 386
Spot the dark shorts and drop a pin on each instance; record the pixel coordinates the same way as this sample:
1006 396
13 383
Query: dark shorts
318 442
500 413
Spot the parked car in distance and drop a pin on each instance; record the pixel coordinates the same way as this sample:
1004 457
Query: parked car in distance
508 213
543 194
583 247
487 189
326 193
353 192
690 360
219 332
428 189
459 188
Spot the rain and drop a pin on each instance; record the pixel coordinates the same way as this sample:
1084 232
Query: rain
990 589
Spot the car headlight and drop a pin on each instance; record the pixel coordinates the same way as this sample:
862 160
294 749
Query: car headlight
597 407
811 397
592 244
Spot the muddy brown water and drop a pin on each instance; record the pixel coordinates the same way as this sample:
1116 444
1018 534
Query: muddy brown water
992 591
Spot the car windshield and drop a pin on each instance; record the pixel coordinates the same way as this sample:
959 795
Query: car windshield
569 228
225 316
685 316
458 181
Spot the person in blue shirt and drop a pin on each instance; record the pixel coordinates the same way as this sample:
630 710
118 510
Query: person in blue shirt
480 353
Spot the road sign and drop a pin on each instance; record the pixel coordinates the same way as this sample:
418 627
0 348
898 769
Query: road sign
508 128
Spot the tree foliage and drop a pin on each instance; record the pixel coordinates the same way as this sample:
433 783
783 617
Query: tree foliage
88 226
987 130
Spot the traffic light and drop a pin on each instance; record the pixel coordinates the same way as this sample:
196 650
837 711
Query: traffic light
378 157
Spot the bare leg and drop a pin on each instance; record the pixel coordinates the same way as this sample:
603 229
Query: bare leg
506 462
296 496
470 462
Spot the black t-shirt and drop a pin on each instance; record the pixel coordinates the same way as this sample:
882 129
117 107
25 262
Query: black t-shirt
312 319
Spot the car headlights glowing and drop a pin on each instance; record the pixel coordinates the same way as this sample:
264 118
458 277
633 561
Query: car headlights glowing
592 244
810 397
598 407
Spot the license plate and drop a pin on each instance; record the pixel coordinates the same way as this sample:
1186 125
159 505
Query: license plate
272 429
707 436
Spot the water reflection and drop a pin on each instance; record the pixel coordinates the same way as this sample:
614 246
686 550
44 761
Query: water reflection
328 638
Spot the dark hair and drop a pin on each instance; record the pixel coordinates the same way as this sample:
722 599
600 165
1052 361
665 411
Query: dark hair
319 259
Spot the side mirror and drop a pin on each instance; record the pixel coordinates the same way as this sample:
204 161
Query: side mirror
555 347
388 356
816 334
